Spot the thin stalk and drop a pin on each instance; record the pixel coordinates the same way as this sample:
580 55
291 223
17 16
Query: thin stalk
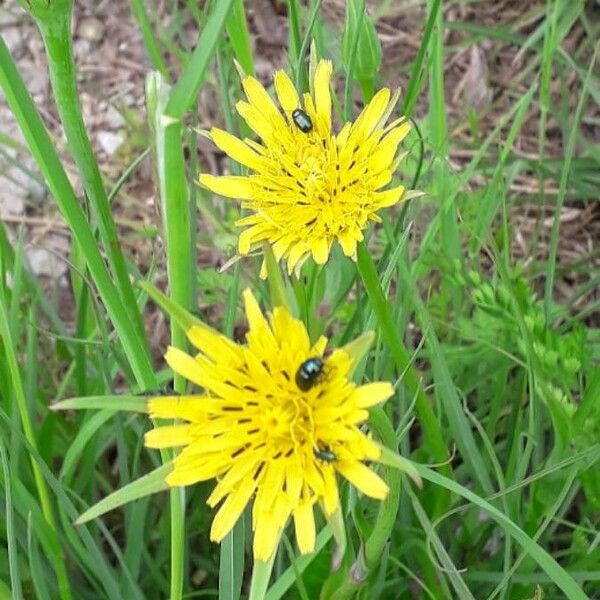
432 432
371 553
40 483
54 26
42 149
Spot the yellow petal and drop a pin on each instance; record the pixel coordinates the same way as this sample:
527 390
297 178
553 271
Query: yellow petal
371 394
190 408
304 525
323 96
268 529
257 121
256 320
331 497
362 478
296 253
201 469
169 436
389 197
231 510
370 116
185 365
214 345
237 149
286 92
243 466
230 186
260 99
347 241
320 251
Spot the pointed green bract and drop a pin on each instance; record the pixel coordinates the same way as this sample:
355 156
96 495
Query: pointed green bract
124 402
144 486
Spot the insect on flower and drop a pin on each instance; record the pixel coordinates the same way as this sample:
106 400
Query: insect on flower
303 193
261 440
302 120
325 454
308 373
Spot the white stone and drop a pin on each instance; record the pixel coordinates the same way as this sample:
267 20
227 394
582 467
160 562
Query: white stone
110 142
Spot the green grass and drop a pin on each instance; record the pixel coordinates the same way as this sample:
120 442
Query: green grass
495 367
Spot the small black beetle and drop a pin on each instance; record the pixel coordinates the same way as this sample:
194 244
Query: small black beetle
302 120
308 373
325 454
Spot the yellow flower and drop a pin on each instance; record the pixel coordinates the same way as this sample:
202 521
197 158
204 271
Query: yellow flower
262 437
307 189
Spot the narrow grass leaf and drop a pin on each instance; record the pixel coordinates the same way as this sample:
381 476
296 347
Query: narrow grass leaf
144 486
11 542
112 403
556 573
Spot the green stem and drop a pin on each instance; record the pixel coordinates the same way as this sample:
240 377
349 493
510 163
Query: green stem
43 151
54 25
370 554
40 483
432 432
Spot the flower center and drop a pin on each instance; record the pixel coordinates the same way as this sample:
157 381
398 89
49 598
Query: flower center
289 423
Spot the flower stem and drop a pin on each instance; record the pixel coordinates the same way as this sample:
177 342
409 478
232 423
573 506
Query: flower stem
371 552
432 432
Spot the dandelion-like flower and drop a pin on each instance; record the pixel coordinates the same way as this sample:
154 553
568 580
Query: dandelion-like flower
276 424
306 186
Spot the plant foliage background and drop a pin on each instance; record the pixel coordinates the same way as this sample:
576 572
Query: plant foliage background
491 279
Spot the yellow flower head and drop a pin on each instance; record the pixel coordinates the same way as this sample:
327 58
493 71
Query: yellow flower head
264 432
306 186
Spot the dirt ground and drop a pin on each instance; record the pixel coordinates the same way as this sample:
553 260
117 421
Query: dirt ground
486 76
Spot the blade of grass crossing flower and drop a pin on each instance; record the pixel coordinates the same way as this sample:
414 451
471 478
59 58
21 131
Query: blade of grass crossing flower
287 579
237 30
11 542
261 574
148 484
54 24
114 403
56 558
231 563
556 573
47 159
184 319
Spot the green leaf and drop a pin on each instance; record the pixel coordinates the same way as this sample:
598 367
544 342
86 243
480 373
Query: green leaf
261 573
182 317
391 459
144 486
124 402
368 49
557 573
